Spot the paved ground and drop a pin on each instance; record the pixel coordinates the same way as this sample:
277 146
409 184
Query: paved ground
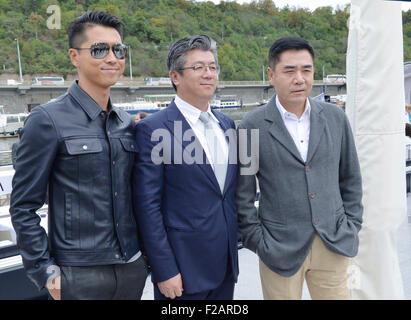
249 286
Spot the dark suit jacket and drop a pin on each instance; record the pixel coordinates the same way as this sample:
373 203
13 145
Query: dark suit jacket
188 226
299 199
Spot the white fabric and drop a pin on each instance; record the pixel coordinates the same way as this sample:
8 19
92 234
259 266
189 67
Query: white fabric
192 115
375 107
298 128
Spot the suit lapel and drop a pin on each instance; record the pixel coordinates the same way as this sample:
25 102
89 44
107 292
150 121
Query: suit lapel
176 121
317 126
278 129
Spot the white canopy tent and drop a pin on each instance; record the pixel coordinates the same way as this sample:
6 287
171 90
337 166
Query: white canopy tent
375 107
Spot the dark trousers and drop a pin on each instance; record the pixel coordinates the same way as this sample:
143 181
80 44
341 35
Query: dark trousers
225 291
107 282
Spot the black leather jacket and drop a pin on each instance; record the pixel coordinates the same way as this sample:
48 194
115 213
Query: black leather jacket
85 156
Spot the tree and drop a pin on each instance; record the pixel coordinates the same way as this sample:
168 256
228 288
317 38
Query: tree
35 20
267 6
244 32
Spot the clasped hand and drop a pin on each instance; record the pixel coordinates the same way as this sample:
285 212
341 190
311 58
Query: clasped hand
172 287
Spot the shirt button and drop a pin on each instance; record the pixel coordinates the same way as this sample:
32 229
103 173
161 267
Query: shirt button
315 221
108 132
114 163
312 195
85 147
117 256
115 194
307 168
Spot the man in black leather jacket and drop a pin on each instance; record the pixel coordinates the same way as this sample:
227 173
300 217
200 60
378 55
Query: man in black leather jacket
82 149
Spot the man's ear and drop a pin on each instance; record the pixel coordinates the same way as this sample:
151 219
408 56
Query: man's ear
73 54
175 77
270 73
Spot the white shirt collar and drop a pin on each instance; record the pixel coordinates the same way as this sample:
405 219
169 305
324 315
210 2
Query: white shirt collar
285 113
190 112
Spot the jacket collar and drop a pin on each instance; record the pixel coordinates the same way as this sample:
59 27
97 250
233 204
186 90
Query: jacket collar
175 120
88 104
280 132
173 114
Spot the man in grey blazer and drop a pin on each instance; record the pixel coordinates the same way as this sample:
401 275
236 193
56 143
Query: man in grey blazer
310 211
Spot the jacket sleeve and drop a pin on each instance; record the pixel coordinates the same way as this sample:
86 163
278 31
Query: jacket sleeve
248 223
37 149
148 193
350 178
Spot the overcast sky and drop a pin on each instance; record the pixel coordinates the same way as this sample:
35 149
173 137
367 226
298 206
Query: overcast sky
312 4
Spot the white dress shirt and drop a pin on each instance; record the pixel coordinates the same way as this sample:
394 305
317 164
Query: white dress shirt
192 115
299 129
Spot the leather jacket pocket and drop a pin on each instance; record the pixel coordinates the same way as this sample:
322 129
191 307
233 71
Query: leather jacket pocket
129 145
83 146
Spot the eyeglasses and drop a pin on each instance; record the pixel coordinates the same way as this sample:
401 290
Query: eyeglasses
201 68
101 49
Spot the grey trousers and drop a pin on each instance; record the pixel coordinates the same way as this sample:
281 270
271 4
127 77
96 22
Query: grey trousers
107 282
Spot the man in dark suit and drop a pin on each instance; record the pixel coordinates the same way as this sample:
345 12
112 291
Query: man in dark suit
184 182
310 211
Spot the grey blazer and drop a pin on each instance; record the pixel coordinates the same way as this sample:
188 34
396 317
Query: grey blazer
299 199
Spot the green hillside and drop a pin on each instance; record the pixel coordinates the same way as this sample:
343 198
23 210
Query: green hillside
243 33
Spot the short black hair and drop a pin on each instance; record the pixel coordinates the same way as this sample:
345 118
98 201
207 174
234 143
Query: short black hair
89 19
177 54
284 44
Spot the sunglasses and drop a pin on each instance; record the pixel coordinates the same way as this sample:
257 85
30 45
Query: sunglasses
101 49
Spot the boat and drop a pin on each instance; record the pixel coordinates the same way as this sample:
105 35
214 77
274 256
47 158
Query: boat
226 102
160 100
139 105
338 97
11 122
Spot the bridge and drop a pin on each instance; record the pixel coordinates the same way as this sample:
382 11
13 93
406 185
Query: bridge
18 98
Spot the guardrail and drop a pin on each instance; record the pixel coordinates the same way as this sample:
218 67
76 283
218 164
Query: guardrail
142 83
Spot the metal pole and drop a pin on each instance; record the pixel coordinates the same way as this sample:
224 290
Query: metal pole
18 55
129 58
263 75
